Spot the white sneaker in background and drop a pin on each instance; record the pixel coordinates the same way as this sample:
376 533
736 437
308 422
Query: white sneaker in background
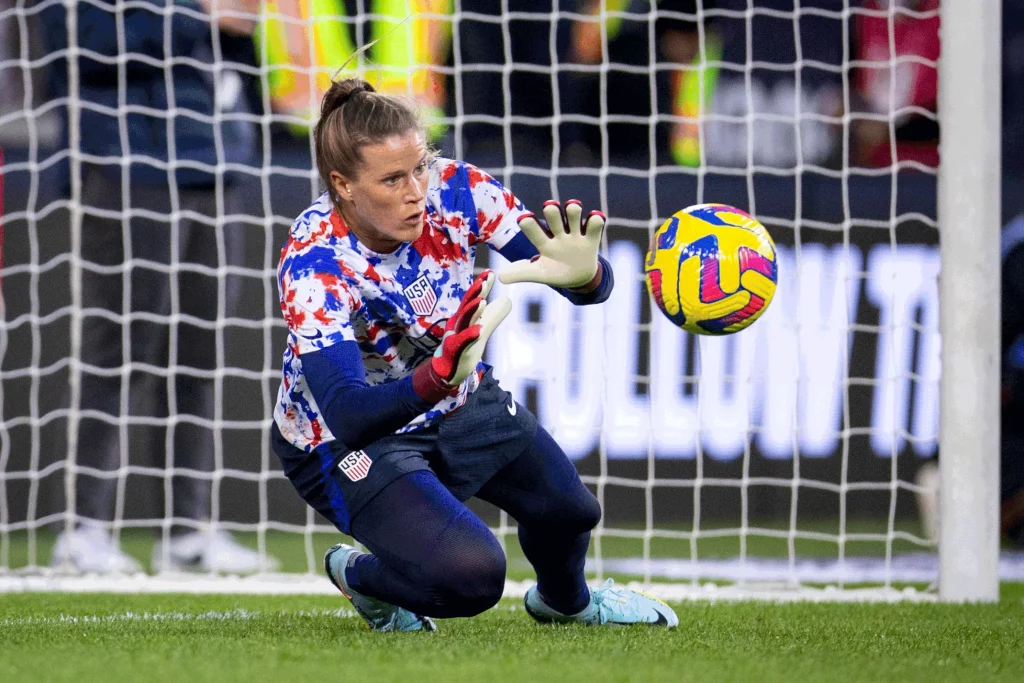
90 549
927 479
209 551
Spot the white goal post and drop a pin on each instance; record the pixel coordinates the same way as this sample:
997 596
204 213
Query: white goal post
780 461
969 220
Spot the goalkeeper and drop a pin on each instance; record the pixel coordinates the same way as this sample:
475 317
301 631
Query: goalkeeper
387 420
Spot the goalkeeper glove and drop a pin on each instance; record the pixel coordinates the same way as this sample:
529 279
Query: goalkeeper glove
462 346
567 244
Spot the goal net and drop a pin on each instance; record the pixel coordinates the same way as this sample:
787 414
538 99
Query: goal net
791 455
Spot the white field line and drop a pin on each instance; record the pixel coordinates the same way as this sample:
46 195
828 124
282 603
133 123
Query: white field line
231 615
305 584
675 592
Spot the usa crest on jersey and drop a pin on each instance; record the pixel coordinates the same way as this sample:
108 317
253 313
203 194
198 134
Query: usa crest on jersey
421 296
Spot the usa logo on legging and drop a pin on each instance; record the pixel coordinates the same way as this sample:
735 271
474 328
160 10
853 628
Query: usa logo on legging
355 465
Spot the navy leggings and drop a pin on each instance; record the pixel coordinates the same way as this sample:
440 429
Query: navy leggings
433 556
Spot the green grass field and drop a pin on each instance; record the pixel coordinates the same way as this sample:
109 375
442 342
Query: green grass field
83 638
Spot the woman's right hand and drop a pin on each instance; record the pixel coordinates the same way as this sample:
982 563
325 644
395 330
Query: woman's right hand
465 337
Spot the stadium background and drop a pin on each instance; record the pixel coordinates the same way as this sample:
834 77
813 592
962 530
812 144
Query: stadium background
811 195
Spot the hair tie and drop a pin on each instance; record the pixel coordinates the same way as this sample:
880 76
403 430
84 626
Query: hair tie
353 91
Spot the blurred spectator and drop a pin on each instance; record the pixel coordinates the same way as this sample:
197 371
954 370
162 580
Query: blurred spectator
527 40
902 94
1013 87
680 44
317 37
7 43
617 32
15 131
614 66
1011 475
10 78
150 143
751 97
1012 432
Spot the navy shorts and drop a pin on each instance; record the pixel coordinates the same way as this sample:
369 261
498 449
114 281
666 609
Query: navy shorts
464 449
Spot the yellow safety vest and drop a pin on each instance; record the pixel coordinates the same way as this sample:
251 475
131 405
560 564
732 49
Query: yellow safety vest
693 89
400 62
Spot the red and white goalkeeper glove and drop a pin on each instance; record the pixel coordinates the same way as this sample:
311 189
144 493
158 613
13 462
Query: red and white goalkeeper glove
462 346
568 247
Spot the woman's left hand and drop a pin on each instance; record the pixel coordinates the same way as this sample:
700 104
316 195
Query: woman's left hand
568 247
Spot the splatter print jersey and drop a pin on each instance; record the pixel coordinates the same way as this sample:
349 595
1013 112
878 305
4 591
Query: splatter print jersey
394 306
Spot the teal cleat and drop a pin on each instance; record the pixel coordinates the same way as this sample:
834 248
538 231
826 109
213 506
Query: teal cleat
379 615
609 604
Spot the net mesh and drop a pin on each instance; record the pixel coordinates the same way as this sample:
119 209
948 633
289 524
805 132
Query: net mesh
787 453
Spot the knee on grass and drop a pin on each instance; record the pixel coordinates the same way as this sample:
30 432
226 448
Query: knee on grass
469 581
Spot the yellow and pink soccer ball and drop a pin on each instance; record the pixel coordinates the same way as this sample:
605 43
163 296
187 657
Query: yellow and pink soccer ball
712 269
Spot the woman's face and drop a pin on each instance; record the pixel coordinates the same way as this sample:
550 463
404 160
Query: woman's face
384 206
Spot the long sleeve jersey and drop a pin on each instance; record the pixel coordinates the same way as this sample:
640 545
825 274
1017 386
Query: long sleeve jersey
359 322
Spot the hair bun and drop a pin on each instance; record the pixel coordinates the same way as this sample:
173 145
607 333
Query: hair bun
341 91
354 91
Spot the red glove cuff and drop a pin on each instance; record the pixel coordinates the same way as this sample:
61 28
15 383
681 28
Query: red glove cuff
429 385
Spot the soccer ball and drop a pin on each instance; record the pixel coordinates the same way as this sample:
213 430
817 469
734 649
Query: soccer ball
712 269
